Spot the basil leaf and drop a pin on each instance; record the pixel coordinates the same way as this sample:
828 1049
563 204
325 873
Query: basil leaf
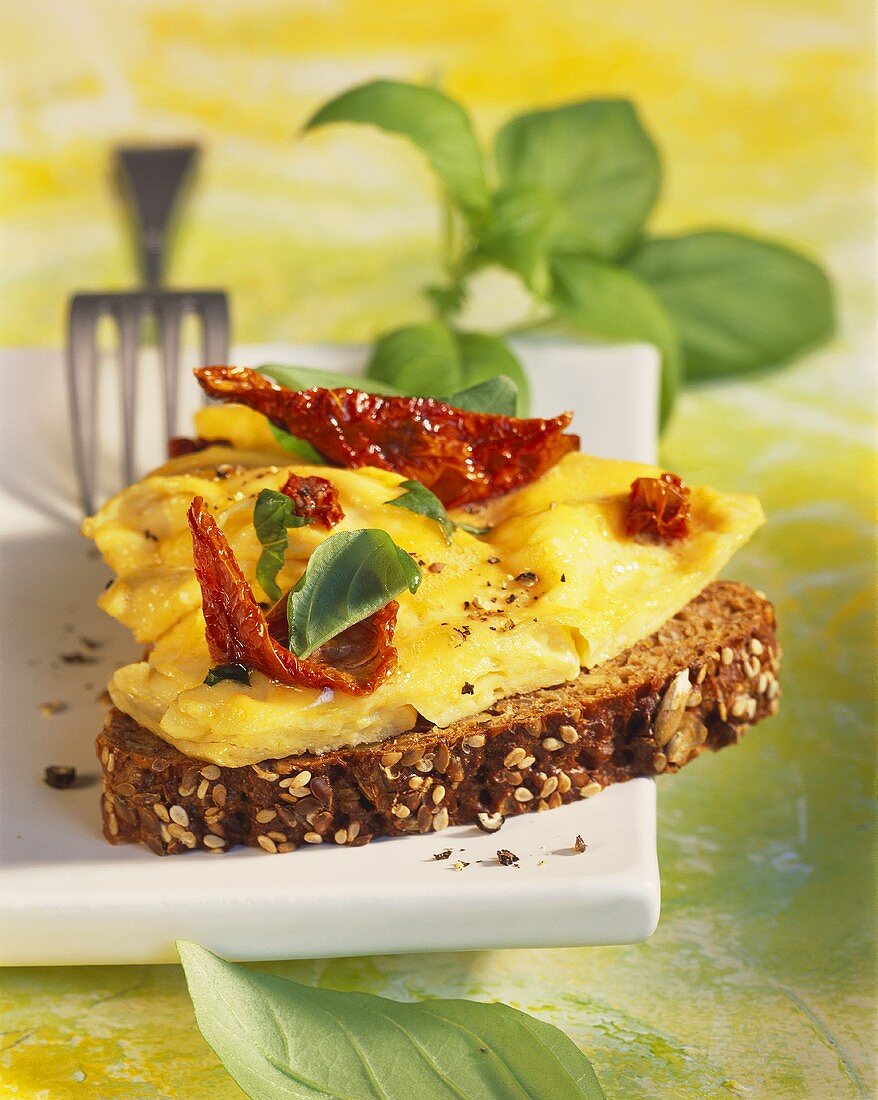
484 357
432 360
283 1041
740 304
298 447
597 162
419 499
418 359
495 395
609 302
438 125
306 378
273 515
516 235
350 576
239 673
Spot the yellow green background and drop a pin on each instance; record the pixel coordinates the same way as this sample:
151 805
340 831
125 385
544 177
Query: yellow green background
760 981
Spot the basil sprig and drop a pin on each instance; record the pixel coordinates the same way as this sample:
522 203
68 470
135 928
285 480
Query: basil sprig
418 498
273 515
280 1040
576 186
350 576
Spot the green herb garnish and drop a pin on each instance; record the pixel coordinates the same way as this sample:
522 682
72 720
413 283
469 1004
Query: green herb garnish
350 576
273 515
239 673
280 1040
418 498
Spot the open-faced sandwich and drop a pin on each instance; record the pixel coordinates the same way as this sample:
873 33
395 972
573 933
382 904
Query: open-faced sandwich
443 615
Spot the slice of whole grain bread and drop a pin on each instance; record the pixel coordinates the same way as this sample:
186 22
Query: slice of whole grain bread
698 683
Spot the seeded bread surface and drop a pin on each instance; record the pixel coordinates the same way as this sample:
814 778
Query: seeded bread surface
696 684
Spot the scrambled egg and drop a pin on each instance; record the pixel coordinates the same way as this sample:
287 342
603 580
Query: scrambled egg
554 586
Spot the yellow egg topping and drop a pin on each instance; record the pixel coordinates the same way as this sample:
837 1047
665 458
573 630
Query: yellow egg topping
554 585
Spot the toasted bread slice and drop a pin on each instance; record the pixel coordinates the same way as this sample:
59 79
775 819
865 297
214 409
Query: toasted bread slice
698 683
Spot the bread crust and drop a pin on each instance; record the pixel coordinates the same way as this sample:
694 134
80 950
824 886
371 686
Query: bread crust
698 683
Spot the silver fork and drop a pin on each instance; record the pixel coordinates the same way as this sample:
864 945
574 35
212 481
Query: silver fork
152 179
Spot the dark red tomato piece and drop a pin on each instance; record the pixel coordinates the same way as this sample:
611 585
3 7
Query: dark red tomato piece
463 457
357 661
315 498
658 509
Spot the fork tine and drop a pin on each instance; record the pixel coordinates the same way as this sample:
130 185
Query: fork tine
82 362
170 314
128 314
83 365
214 309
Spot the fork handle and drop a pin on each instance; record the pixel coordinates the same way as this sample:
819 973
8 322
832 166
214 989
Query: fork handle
153 176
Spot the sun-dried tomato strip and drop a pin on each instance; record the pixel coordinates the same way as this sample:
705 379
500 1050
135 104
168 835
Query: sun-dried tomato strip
658 509
315 498
463 457
237 631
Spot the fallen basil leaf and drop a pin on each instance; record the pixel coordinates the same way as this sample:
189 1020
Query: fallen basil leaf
432 360
740 304
609 302
495 395
306 378
239 673
273 514
597 162
350 576
283 1041
438 125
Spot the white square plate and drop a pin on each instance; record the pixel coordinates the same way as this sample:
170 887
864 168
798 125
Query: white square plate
66 896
